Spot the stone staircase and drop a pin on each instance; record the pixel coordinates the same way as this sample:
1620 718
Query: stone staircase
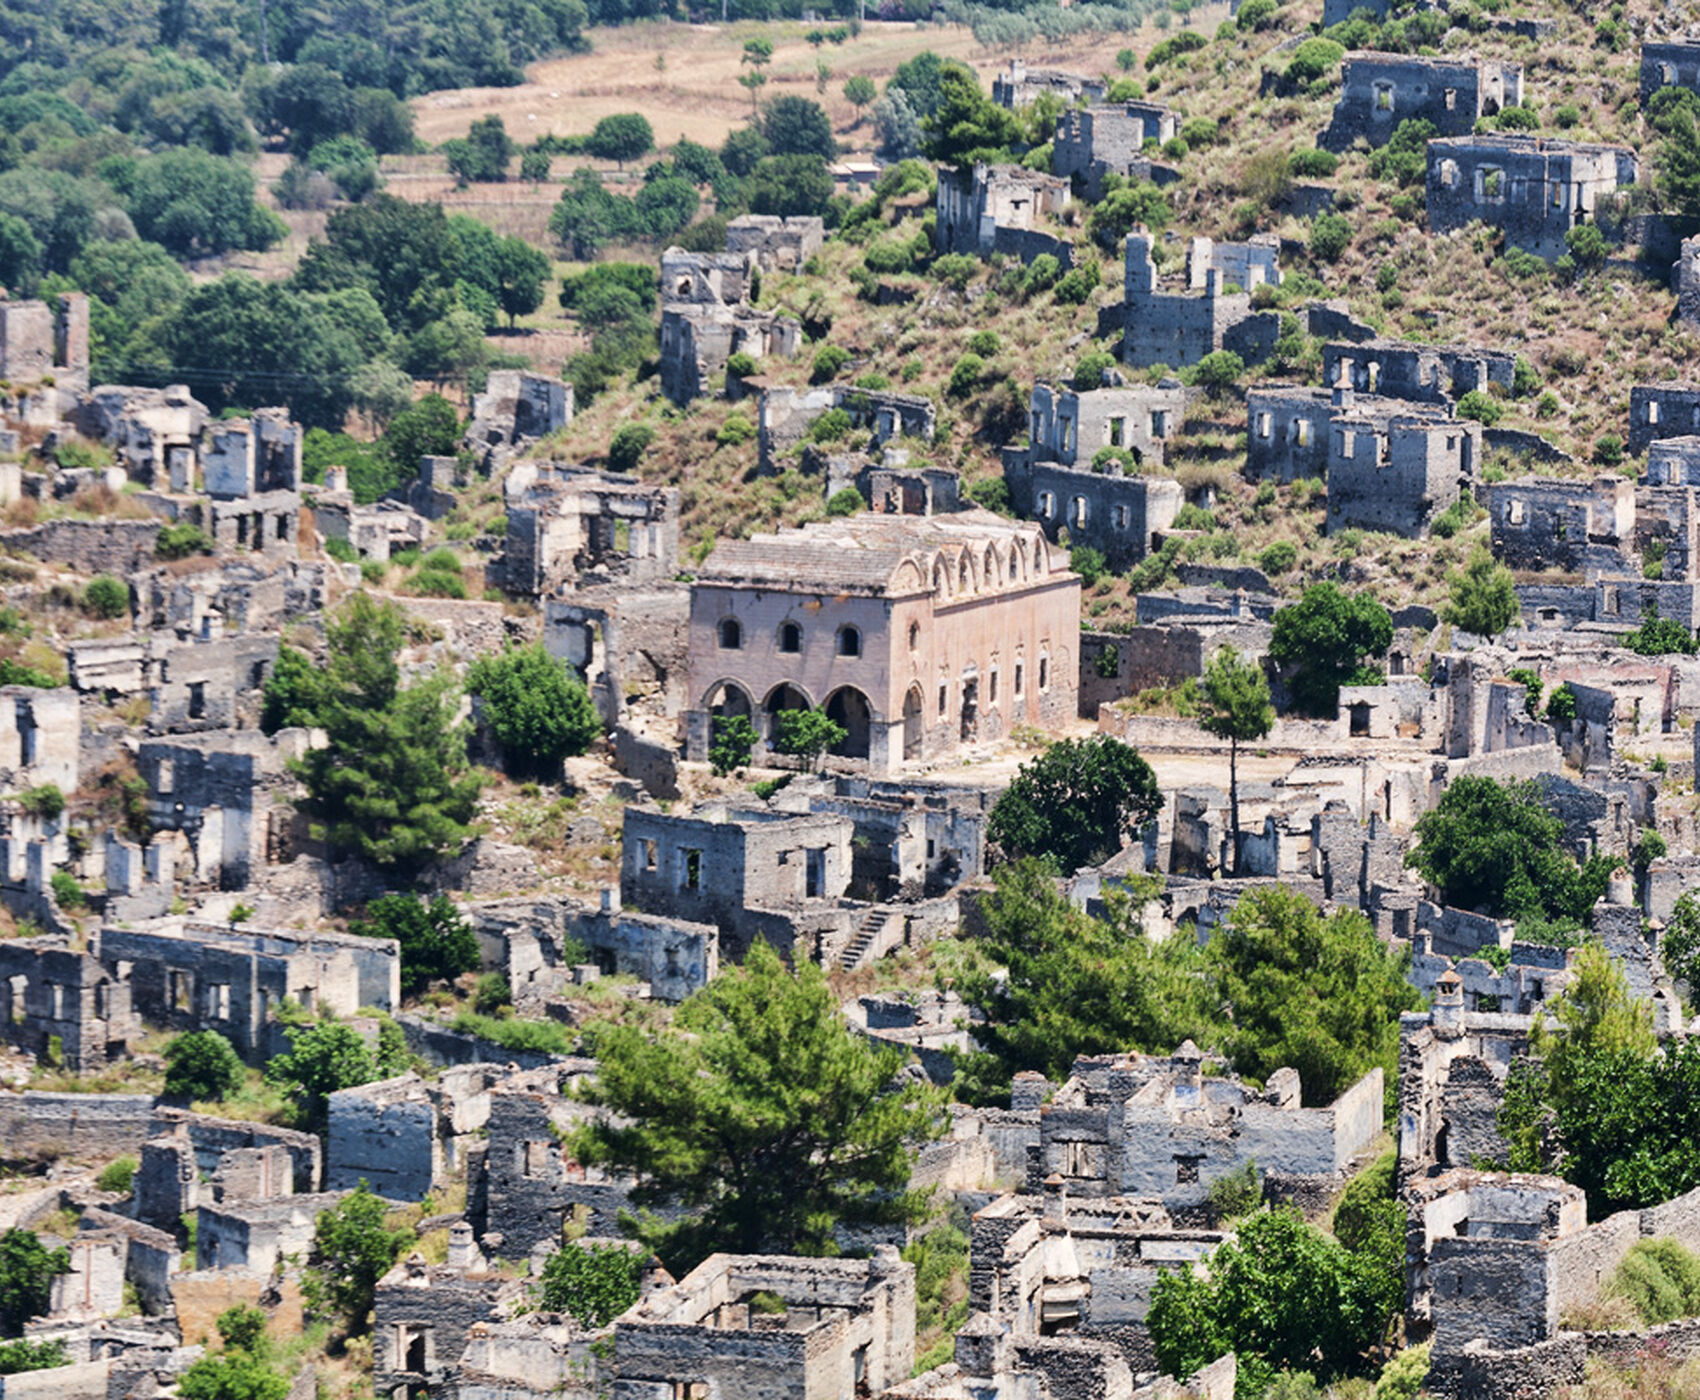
870 932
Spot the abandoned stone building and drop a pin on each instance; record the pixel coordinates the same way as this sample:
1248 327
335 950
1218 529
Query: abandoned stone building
1400 369
256 1236
1000 209
1534 188
521 1182
1019 86
1288 430
1159 1128
1212 312
1685 281
1669 63
407 1135
1047 1263
1092 142
891 486
706 319
155 433
916 634
1071 426
41 340
568 528
847 1328
1577 526
251 473
185 975
1658 411
1380 90
423 1315
1118 514
40 733
784 416
221 790
516 408
625 640
1395 469
776 244
57 996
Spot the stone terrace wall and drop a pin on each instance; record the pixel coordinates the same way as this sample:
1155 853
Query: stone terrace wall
88 546
76 1125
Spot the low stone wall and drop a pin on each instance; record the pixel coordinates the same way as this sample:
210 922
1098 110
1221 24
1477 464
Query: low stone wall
1301 737
88 1126
1522 1373
644 761
87 546
1675 1342
442 1046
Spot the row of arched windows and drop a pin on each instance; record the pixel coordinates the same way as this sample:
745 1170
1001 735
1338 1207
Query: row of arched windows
789 638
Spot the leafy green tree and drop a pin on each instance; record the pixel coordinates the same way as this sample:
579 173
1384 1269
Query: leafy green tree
1076 804
790 186
233 1375
195 204
1280 1296
20 254
732 739
24 1355
106 597
202 1065
1071 984
1661 1279
437 944
322 1059
392 785
859 92
594 1283
1495 847
539 711
1329 235
534 165
1660 636
1404 158
521 273
349 163
1320 995
897 130
621 137
795 126
758 53
292 693
1674 112
808 734
484 154
353 1248
967 126
1322 641
27 1270
1680 943
1236 708
918 80
761 1113
1484 596
1124 206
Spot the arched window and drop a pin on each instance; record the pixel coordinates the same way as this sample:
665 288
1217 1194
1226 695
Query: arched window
790 637
731 634
914 636
849 642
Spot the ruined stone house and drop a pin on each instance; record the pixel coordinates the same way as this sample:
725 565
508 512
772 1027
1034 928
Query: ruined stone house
706 319
1380 90
1119 514
625 640
1659 411
189 976
1092 142
847 1328
567 528
155 433
1020 86
40 341
1400 369
1000 209
1178 327
255 1237
424 1314
62 1003
40 734
517 407
1157 1127
776 244
251 470
1534 188
406 1136
1395 469
784 417
915 634
1669 63
1072 426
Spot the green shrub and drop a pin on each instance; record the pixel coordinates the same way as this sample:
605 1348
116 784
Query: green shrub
117 1176
1278 558
1089 369
1329 235
965 375
629 443
1479 406
202 1065
180 540
1088 563
1042 274
1608 450
45 801
492 995
549 1037
1519 119
1310 164
1199 131
984 343
341 550
991 493
106 597
1561 704
887 258
1661 1279
1525 379
67 893
847 501
1314 60
735 431
1218 371
740 365
1256 14
1187 41
955 270
830 426
1077 285
1566 116
1191 517
829 360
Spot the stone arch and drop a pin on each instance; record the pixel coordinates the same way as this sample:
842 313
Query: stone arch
913 724
941 577
990 573
728 697
784 696
849 707
729 634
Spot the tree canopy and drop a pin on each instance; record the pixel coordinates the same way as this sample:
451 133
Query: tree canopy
760 1112
202 1065
1236 708
594 1283
1322 642
535 705
352 1249
392 784
967 126
437 944
795 126
1495 847
27 1270
1076 804
1484 596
